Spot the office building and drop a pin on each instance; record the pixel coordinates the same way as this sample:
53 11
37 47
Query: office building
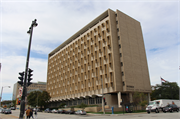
109 54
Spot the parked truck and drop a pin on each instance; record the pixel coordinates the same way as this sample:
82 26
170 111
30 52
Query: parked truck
157 105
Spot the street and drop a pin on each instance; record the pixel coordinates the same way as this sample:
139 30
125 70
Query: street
144 115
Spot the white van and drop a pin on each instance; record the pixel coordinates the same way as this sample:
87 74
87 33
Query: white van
157 105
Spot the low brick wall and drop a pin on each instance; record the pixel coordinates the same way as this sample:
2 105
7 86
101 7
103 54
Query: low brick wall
97 109
93 109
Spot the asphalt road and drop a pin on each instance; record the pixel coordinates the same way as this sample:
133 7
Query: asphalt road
41 115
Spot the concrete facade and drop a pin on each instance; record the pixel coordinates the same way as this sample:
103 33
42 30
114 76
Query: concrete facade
110 49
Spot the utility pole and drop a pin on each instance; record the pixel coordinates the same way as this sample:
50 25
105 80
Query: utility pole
22 108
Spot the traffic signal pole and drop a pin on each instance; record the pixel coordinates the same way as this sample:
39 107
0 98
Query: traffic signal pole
22 108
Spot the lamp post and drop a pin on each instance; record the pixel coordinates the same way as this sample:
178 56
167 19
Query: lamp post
102 96
2 92
34 24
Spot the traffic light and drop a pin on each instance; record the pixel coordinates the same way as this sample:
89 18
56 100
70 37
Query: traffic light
104 101
29 77
21 78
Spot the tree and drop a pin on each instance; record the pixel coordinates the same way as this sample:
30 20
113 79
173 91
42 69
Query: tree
14 103
82 105
33 98
168 90
37 98
136 98
140 99
43 99
6 103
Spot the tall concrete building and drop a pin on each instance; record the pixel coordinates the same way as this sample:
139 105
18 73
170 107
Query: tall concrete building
109 54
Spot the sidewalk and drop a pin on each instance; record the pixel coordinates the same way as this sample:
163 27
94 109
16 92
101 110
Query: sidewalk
8 116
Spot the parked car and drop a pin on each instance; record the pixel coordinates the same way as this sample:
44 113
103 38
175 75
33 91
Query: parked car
47 110
7 111
171 108
61 111
54 111
38 110
1 109
13 108
70 112
81 112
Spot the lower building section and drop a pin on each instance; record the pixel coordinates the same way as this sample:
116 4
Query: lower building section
111 99
90 100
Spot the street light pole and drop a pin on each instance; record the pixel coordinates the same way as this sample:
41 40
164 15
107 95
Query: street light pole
2 92
34 24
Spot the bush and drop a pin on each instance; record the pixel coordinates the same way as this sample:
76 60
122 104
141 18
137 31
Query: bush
62 105
93 105
143 103
82 105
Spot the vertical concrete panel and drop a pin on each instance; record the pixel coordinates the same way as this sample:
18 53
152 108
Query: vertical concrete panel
133 54
119 99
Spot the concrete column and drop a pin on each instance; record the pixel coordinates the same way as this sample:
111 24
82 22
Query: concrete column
149 97
130 97
119 99
95 100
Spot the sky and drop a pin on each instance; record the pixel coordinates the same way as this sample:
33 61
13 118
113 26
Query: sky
58 20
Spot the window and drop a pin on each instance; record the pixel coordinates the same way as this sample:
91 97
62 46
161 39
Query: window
122 73
117 29
95 30
85 101
102 24
121 63
120 54
102 33
104 50
98 100
91 101
99 44
79 101
110 57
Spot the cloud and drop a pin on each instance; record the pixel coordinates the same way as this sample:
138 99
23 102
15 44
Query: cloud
163 63
12 65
